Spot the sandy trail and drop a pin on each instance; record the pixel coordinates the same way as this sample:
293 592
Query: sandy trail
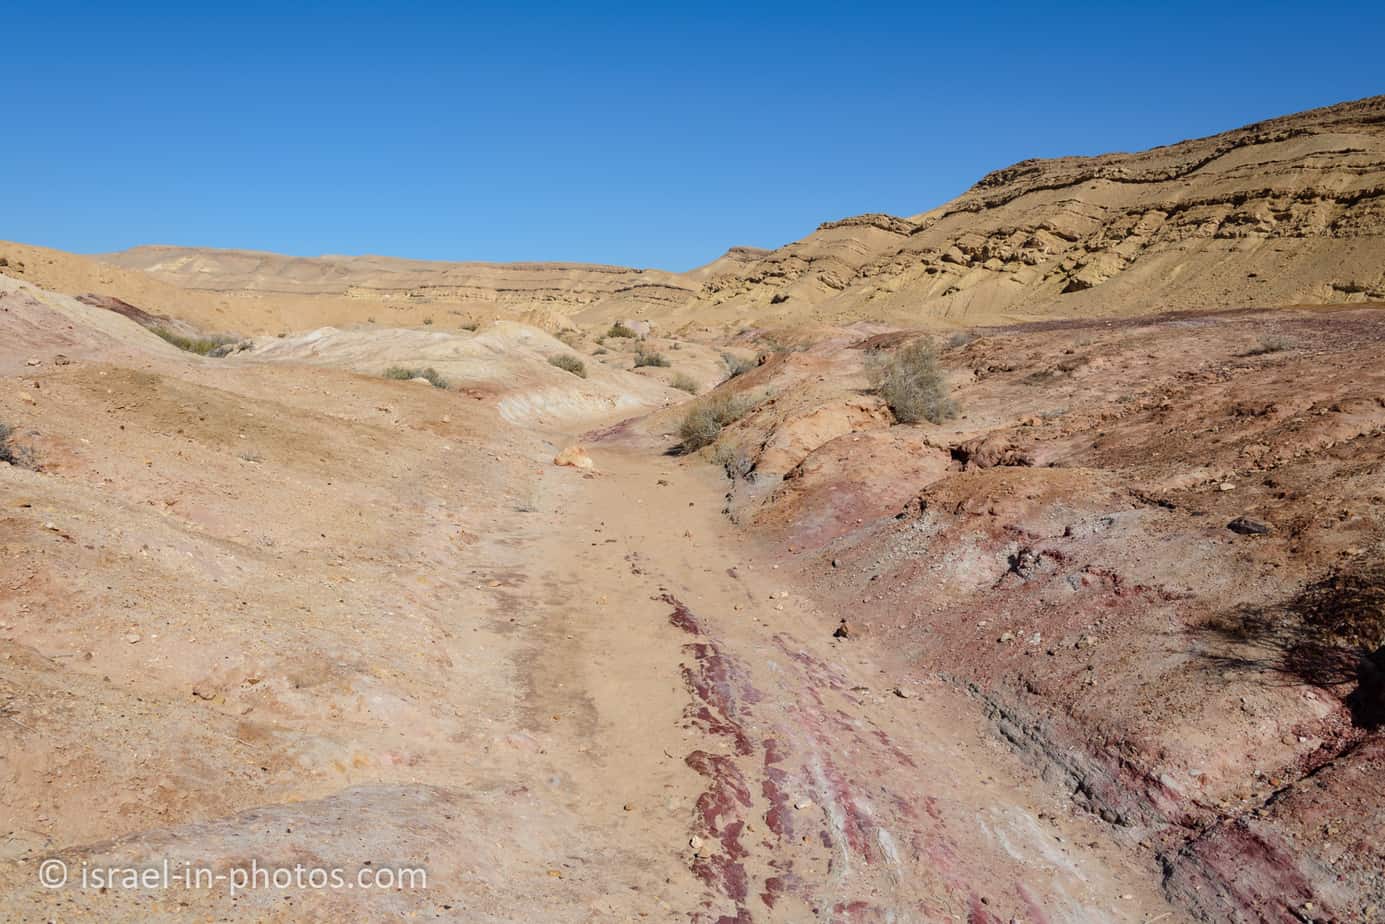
761 769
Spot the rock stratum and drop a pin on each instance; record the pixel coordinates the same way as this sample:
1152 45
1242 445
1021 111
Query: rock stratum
1281 212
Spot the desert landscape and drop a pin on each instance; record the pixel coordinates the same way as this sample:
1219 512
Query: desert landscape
1021 560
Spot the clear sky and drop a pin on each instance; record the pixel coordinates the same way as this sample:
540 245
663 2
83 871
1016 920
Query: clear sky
646 135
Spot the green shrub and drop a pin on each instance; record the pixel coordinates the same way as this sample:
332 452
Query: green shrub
684 382
913 385
202 346
650 359
569 363
405 374
704 422
620 330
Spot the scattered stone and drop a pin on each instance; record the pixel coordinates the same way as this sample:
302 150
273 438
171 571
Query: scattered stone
1246 526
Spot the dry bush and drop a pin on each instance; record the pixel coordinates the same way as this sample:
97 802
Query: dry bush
912 384
704 422
405 373
684 382
650 359
620 330
735 365
1269 345
569 363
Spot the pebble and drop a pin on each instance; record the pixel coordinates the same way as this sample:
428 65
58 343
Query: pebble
133 638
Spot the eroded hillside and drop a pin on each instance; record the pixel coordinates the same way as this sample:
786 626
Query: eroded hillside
1282 212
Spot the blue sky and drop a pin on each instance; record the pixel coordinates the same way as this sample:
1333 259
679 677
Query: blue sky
636 134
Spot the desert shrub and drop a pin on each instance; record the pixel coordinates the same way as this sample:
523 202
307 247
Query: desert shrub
650 359
471 325
960 339
620 330
202 346
428 322
569 363
684 382
1269 345
405 373
704 422
735 365
600 351
913 385
570 336
12 454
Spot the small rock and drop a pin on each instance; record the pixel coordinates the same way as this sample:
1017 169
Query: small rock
803 804
836 563
133 638
574 457
35 362
1247 526
1006 637
1226 486
843 630
902 693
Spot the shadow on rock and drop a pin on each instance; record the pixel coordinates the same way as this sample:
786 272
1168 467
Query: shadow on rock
1330 634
